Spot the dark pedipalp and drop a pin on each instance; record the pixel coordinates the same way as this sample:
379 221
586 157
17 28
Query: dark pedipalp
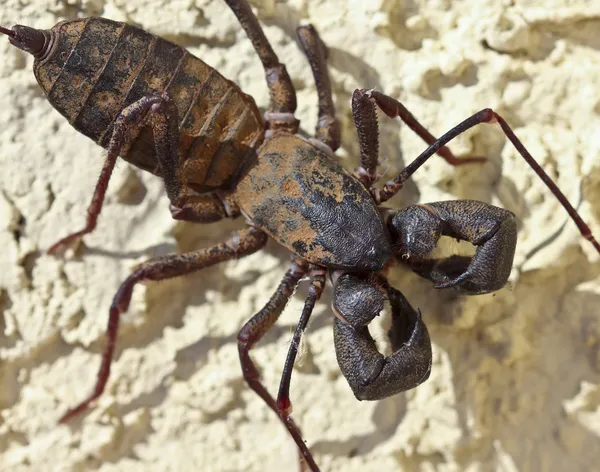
417 229
371 375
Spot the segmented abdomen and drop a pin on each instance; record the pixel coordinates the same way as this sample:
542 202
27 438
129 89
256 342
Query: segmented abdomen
97 67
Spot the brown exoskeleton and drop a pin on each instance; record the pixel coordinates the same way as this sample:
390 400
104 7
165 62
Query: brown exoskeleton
167 112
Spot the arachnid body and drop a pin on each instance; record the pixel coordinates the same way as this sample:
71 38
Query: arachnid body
172 115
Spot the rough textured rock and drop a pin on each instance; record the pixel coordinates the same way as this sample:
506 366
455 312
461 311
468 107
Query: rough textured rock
515 378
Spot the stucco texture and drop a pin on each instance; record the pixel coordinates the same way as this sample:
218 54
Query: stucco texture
514 383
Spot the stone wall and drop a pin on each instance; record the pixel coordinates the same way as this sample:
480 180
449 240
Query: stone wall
514 384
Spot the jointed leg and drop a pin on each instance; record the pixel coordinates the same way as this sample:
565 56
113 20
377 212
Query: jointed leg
160 113
281 89
284 405
162 116
328 127
95 205
239 244
205 209
488 115
367 129
126 127
253 331
365 119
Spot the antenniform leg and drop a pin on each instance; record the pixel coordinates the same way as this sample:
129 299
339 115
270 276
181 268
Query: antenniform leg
356 302
487 115
254 330
416 230
328 127
281 89
365 120
240 244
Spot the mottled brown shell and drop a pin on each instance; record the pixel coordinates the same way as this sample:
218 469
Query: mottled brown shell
310 204
97 67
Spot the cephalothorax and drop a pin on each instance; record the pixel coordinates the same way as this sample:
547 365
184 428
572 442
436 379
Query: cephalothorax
167 112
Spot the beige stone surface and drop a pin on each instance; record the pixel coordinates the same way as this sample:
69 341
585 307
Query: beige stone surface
514 385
